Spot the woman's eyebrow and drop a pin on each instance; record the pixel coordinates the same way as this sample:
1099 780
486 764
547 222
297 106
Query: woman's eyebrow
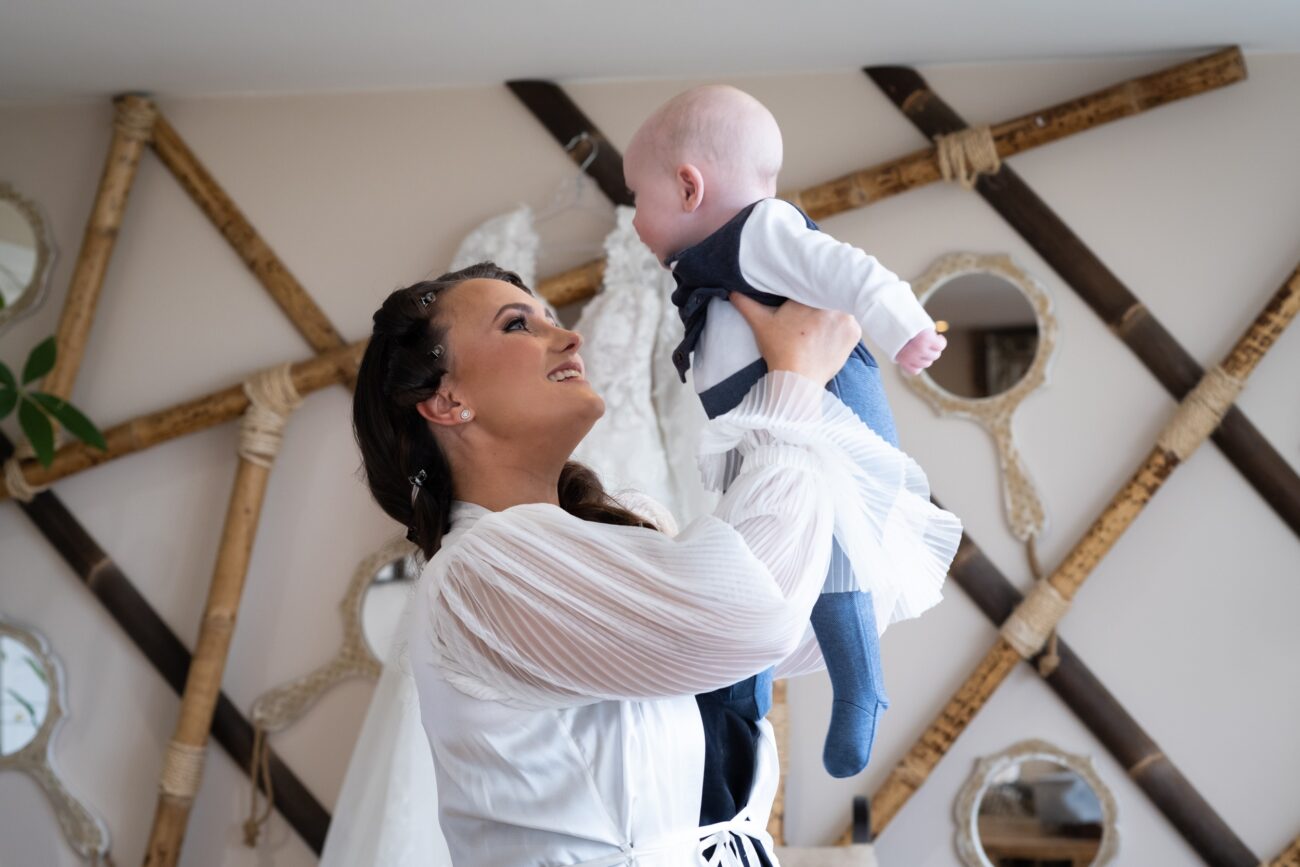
522 308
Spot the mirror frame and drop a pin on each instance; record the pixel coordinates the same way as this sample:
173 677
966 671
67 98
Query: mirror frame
1024 508
46 252
966 807
280 707
85 832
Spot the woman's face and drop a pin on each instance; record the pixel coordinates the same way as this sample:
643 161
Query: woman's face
514 367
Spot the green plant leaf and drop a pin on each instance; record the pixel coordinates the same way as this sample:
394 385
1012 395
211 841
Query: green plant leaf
41 360
8 397
38 430
7 376
71 418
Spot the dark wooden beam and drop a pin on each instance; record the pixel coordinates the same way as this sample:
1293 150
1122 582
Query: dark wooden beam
165 652
566 122
1239 440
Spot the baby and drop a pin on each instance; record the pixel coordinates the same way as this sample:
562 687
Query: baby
703 171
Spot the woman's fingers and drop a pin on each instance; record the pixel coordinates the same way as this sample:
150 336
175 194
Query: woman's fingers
793 336
750 309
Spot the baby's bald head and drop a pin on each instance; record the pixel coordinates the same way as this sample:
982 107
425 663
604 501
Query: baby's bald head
720 129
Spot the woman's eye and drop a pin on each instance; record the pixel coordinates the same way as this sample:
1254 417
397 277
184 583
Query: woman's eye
518 320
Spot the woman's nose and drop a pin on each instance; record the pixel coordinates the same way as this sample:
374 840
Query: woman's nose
570 340
575 341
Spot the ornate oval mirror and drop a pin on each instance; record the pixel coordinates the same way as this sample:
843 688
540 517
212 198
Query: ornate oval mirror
370 608
384 599
1001 336
32 706
1035 804
26 255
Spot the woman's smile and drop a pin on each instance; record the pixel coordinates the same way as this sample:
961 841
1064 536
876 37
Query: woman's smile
569 370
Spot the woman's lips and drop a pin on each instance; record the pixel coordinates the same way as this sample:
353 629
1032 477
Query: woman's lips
568 370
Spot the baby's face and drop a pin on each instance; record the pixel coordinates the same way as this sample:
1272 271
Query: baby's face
661 219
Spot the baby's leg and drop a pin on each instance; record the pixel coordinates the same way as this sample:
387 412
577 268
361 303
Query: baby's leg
845 625
844 618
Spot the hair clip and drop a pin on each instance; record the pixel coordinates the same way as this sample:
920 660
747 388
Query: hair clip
426 298
436 352
417 483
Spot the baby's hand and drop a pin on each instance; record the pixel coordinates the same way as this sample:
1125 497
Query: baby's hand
921 351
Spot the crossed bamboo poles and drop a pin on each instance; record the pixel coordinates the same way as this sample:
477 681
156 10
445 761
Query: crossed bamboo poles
850 191
264 402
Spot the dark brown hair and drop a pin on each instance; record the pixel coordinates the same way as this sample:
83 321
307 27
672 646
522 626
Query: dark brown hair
397 372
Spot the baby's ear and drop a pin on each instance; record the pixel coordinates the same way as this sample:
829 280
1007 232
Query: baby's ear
690 187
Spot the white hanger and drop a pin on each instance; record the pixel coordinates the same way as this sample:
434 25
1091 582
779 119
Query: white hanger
572 192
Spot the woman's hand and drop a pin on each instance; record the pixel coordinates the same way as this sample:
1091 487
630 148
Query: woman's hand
807 340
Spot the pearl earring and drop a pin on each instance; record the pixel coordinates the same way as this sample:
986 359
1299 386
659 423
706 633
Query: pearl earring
464 415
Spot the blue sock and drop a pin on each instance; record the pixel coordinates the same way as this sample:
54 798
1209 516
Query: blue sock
845 624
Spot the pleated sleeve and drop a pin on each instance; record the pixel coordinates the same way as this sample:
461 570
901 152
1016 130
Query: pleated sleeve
898 543
537 608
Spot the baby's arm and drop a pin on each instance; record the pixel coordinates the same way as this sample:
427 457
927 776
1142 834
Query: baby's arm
779 254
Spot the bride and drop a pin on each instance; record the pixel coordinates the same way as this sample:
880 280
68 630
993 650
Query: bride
553 645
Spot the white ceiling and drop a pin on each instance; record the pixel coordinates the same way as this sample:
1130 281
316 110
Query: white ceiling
63 49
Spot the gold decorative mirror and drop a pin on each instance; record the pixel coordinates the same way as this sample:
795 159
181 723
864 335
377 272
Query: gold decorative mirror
1001 337
32 707
1035 805
26 255
370 608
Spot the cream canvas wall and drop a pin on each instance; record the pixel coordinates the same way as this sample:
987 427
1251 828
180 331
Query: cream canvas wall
1190 621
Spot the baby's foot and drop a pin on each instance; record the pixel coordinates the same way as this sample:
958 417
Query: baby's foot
845 626
850 737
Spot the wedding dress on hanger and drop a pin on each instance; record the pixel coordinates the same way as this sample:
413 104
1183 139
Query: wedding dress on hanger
510 240
387 809
620 329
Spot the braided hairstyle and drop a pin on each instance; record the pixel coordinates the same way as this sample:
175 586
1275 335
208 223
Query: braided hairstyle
400 368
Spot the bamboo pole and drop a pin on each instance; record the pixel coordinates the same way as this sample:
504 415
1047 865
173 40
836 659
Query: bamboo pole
1190 426
576 284
1267 471
1084 693
266 266
1289 858
921 167
189 417
1020 134
115 591
779 717
132 127
271 400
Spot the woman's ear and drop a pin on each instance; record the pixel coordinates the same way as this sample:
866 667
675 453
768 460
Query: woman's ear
441 409
690 187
